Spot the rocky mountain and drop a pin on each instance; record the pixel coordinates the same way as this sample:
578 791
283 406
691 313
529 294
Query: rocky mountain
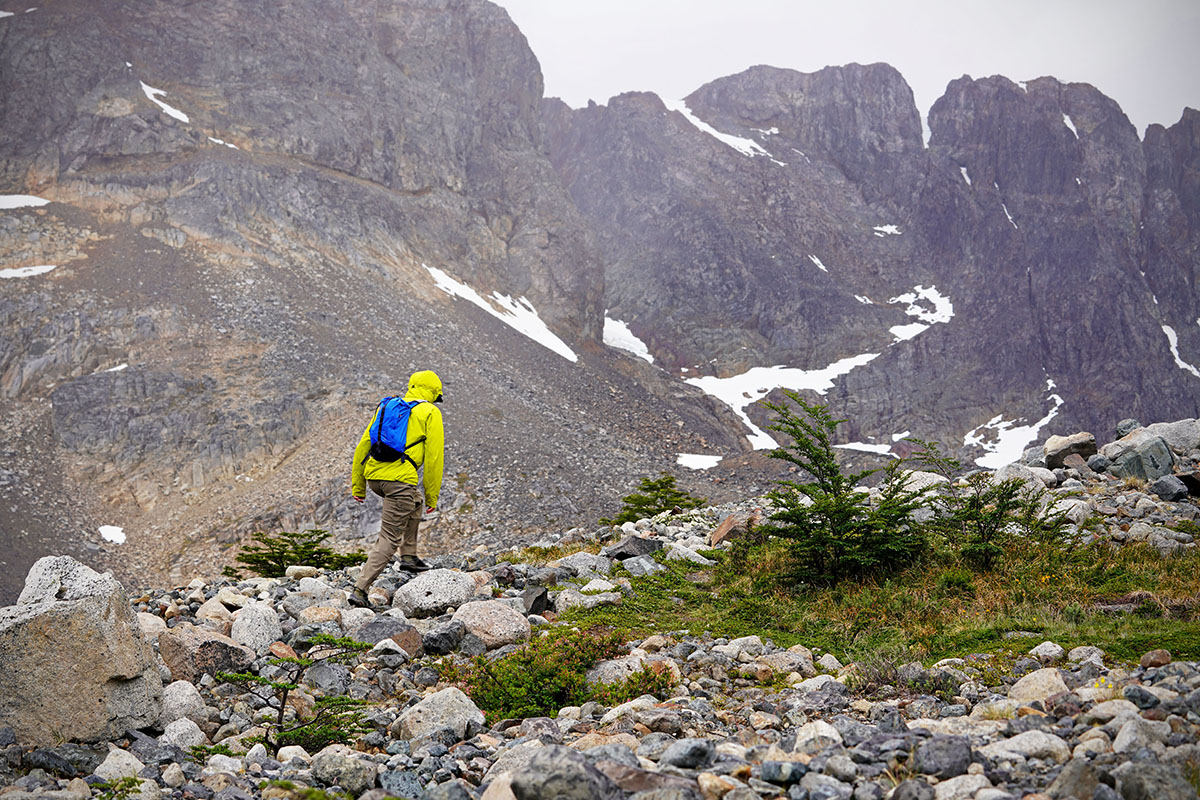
248 216
774 217
226 230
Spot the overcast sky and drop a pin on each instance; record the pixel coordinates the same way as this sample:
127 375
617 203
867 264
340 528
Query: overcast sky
1145 54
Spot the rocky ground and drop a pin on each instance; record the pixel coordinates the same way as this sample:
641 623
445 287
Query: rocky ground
744 718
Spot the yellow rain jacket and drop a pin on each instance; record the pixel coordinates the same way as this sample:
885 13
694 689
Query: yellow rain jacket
424 420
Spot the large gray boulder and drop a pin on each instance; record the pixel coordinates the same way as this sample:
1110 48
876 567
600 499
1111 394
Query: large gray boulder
73 662
1057 448
1182 436
256 626
1139 454
448 709
190 652
563 773
431 593
496 623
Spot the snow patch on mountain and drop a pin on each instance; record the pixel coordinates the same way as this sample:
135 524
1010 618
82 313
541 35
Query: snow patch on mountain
697 460
518 314
740 391
1173 339
1004 440
937 309
170 111
747 147
817 261
618 335
26 272
20 201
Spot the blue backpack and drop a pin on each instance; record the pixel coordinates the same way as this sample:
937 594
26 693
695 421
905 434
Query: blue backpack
389 434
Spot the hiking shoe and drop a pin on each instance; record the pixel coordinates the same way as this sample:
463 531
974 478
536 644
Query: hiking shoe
413 564
358 598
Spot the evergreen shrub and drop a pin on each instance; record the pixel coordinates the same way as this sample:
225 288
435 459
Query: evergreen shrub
834 530
657 495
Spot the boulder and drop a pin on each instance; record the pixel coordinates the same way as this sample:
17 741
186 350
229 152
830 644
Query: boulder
184 734
448 709
72 634
1169 488
431 593
1057 448
256 626
564 774
190 652
334 767
1140 454
732 527
181 700
632 546
1037 685
496 623
584 564
1182 437
1030 744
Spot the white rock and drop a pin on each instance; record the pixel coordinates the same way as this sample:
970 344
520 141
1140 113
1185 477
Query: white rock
1030 744
181 700
298 571
815 736
1086 653
119 764
448 708
1048 653
221 763
598 585
1037 685
256 626
496 623
184 734
432 593
962 787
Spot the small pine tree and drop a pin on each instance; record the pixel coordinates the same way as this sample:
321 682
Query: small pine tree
979 517
834 530
270 555
335 720
658 495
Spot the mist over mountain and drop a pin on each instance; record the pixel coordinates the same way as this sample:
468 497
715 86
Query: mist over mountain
229 229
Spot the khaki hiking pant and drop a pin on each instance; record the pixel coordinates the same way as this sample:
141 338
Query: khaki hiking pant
403 505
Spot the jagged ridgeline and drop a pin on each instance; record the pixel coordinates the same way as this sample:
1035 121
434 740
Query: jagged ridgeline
227 232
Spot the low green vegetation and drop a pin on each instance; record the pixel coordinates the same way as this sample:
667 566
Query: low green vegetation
549 673
657 495
334 719
990 571
269 555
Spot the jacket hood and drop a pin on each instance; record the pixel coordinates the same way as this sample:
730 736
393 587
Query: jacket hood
424 385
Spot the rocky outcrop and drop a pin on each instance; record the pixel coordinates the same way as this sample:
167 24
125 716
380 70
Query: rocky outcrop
73 663
790 228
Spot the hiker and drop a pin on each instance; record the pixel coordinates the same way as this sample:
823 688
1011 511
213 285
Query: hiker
414 426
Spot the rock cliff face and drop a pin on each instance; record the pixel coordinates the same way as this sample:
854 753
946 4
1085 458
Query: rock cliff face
790 231
245 206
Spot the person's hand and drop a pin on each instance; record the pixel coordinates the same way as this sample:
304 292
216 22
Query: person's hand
430 509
